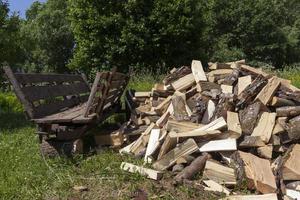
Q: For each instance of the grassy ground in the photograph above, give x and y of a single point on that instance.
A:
(24, 174)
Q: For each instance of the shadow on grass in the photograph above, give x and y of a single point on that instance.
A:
(13, 120)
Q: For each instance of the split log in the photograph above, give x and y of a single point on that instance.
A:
(183, 126)
(207, 86)
(290, 168)
(150, 173)
(279, 125)
(267, 93)
(163, 106)
(233, 122)
(250, 141)
(279, 102)
(169, 159)
(248, 117)
(243, 82)
(265, 126)
(183, 83)
(227, 89)
(198, 71)
(219, 173)
(265, 151)
(226, 103)
(142, 141)
(257, 170)
(217, 65)
(251, 91)
(218, 145)
(232, 78)
(179, 106)
(209, 112)
(177, 73)
(200, 134)
(152, 143)
(288, 111)
(293, 128)
(195, 167)
(294, 185)
(293, 194)
(167, 145)
(252, 70)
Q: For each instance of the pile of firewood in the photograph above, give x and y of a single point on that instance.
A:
(235, 124)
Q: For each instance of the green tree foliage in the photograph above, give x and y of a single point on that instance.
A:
(48, 40)
(136, 33)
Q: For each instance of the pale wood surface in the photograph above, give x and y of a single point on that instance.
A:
(198, 71)
(243, 82)
(150, 173)
(267, 93)
(265, 126)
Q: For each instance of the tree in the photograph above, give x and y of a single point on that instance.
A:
(48, 38)
(139, 34)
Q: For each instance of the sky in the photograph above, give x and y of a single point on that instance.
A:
(21, 6)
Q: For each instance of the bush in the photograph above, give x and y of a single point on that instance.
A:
(9, 103)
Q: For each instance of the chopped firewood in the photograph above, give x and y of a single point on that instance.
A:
(150, 173)
(227, 89)
(294, 185)
(279, 125)
(293, 194)
(153, 141)
(220, 72)
(126, 149)
(288, 111)
(290, 168)
(265, 126)
(162, 107)
(195, 167)
(198, 71)
(216, 187)
(243, 82)
(168, 144)
(218, 145)
(183, 126)
(176, 74)
(267, 93)
(142, 141)
(251, 91)
(233, 122)
(209, 112)
(252, 197)
(177, 168)
(196, 133)
(252, 141)
(207, 86)
(169, 159)
(248, 117)
(219, 66)
(164, 118)
(142, 94)
(243, 61)
(252, 70)
(180, 112)
(114, 139)
(219, 173)
(214, 125)
(279, 102)
(184, 82)
(257, 171)
(265, 151)
(232, 78)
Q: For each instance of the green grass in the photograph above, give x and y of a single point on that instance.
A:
(292, 73)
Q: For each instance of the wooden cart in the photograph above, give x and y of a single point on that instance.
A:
(64, 107)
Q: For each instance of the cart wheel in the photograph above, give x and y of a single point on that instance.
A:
(53, 148)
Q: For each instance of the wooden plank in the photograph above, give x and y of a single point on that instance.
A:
(257, 171)
(198, 71)
(267, 93)
(243, 82)
(272, 196)
(218, 145)
(184, 82)
(169, 159)
(34, 93)
(150, 173)
(227, 89)
(233, 122)
(17, 88)
(30, 78)
(153, 140)
(219, 173)
(209, 112)
(265, 126)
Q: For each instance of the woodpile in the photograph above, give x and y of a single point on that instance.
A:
(233, 124)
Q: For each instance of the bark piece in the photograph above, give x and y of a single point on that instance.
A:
(265, 126)
(232, 78)
(248, 117)
(150, 173)
(279, 102)
(169, 159)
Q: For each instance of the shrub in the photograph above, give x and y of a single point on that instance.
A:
(9, 103)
